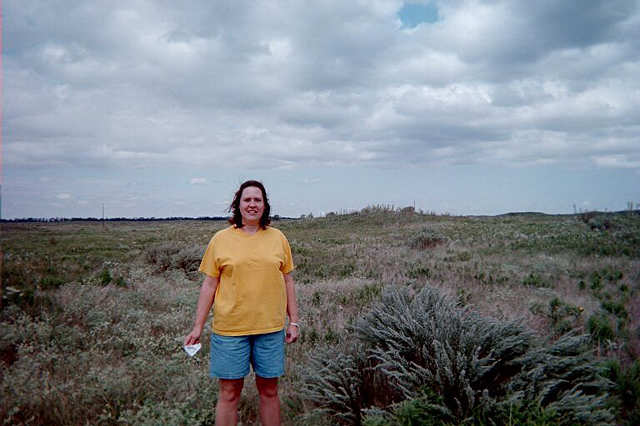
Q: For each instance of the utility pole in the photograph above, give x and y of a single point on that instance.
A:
(103, 225)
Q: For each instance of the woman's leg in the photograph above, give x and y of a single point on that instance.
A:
(228, 397)
(269, 401)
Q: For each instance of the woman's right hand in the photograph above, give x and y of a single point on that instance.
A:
(193, 337)
(205, 300)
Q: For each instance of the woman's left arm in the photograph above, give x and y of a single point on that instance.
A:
(293, 329)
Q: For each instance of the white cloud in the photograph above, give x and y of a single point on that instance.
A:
(287, 85)
(308, 181)
(616, 160)
(63, 196)
(155, 86)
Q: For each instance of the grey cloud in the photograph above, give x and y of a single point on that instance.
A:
(511, 33)
(337, 82)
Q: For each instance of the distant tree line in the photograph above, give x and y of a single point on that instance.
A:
(123, 219)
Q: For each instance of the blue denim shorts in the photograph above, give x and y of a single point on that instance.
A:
(232, 355)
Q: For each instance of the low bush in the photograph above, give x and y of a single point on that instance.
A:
(168, 256)
(476, 368)
(152, 413)
(338, 385)
(51, 282)
(161, 255)
(600, 328)
(105, 277)
(188, 259)
(564, 316)
(626, 389)
(535, 280)
(426, 239)
(616, 308)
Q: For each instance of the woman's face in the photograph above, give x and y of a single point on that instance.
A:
(251, 205)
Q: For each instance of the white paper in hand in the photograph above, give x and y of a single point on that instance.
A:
(191, 350)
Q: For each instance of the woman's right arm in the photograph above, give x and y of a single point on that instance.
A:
(207, 293)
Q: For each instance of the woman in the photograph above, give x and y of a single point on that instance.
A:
(248, 280)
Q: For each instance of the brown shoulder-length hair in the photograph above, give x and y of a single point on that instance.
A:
(234, 208)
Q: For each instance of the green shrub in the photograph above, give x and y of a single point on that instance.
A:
(28, 300)
(161, 255)
(167, 256)
(367, 293)
(528, 413)
(626, 389)
(596, 281)
(599, 326)
(463, 256)
(188, 259)
(426, 239)
(419, 271)
(564, 378)
(616, 309)
(535, 280)
(599, 222)
(336, 382)
(474, 366)
(15, 274)
(105, 277)
(563, 315)
(51, 282)
(168, 413)
(423, 411)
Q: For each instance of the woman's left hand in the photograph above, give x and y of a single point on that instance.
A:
(292, 334)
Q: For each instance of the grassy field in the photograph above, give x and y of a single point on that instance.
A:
(93, 317)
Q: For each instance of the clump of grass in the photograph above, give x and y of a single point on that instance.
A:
(169, 256)
(152, 413)
(120, 282)
(417, 271)
(51, 282)
(426, 239)
(596, 282)
(600, 223)
(424, 410)
(564, 316)
(626, 389)
(105, 277)
(536, 280)
(161, 255)
(616, 308)
(599, 326)
(188, 259)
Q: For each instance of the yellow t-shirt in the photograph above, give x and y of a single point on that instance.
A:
(251, 297)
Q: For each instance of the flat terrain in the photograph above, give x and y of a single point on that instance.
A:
(93, 314)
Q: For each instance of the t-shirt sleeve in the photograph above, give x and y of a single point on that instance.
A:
(208, 265)
(288, 258)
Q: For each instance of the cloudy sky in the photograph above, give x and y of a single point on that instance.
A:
(161, 108)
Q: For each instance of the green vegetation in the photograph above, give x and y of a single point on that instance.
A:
(473, 366)
(408, 318)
